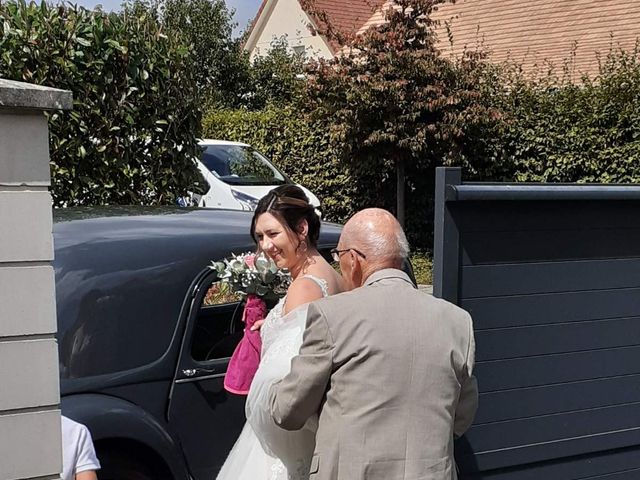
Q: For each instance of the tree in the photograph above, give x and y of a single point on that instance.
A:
(393, 99)
(276, 78)
(220, 66)
(225, 76)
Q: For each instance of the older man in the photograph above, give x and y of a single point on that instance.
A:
(388, 368)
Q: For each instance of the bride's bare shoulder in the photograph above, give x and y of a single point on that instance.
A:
(302, 290)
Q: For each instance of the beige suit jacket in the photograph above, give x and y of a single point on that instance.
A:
(389, 368)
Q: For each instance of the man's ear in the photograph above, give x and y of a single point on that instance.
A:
(356, 269)
(354, 261)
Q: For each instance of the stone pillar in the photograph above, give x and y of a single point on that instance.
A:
(30, 443)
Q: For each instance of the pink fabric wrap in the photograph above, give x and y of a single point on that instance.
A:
(246, 357)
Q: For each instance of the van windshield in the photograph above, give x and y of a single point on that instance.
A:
(240, 165)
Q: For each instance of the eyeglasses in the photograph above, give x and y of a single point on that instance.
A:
(335, 253)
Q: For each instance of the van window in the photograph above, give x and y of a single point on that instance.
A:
(218, 327)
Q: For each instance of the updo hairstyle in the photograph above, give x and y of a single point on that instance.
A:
(290, 205)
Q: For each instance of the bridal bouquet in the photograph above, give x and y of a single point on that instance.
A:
(258, 280)
(253, 274)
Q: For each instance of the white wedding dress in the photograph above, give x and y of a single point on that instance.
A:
(263, 450)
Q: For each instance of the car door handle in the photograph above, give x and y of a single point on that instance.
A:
(192, 372)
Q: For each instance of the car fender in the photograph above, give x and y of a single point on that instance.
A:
(110, 417)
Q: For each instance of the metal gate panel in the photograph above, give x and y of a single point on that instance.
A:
(551, 277)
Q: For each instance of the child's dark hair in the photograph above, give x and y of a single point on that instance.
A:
(290, 205)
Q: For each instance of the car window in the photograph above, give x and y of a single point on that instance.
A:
(218, 326)
(240, 165)
(113, 317)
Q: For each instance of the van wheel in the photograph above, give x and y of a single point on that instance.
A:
(115, 466)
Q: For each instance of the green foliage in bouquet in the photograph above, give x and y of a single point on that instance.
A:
(251, 274)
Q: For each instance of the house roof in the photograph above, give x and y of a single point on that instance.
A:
(377, 17)
(347, 16)
(542, 35)
(250, 33)
(257, 17)
(537, 34)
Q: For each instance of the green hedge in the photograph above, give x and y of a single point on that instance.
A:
(300, 150)
(422, 267)
(581, 131)
(135, 120)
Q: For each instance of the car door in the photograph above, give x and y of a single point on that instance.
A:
(206, 418)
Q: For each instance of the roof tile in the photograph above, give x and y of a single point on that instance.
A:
(348, 15)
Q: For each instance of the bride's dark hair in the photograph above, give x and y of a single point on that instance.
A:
(290, 205)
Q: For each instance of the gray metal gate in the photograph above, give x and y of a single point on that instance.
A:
(551, 276)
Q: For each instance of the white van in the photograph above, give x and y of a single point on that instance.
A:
(238, 176)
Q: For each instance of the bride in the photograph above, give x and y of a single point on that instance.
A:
(286, 228)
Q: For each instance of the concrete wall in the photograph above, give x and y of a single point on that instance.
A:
(29, 403)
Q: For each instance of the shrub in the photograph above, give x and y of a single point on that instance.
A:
(422, 267)
(563, 131)
(400, 108)
(550, 129)
(220, 67)
(135, 121)
(275, 78)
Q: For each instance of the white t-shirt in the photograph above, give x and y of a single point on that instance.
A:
(78, 454)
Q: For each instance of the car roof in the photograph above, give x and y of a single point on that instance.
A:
(84, 224)
(107, 221)
(208, 141)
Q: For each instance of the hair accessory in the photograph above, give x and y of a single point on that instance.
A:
(291, 201)
(273, 200)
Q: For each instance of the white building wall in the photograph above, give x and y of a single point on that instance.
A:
(287, 18)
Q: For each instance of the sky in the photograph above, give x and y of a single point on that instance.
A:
(245, 9)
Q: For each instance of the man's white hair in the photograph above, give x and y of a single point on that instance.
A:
(378, 234)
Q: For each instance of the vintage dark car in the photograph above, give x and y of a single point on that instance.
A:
(144, 339)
